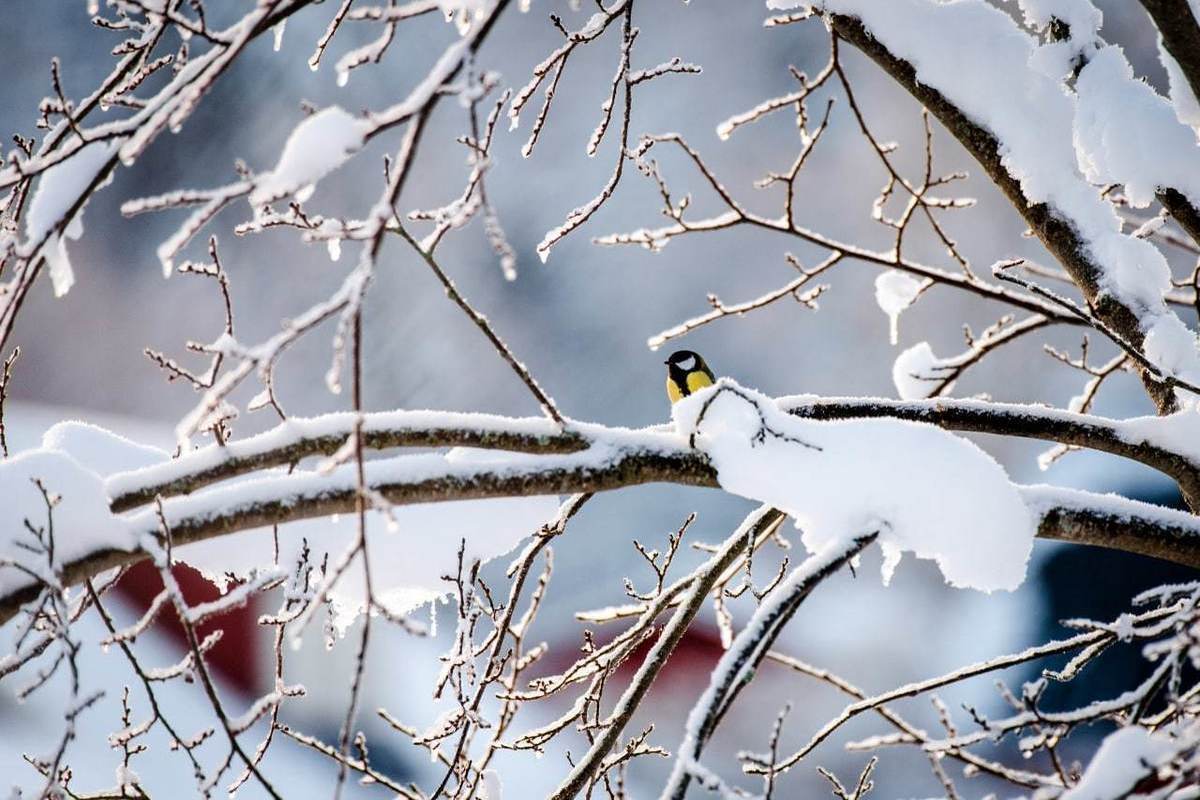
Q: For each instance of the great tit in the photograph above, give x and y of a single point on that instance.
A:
(686, 373)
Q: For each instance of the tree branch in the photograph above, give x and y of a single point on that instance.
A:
(299, 438)
(617, 460)
(1184, 212)
(737, 666)
(702, 582)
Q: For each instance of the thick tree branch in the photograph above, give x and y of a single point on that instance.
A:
(1068, 515)
(1055, 231)
(618, 462)
(299, 438)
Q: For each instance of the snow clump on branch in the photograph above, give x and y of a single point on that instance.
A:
(50, 223)
(317, 147)
(924, 490)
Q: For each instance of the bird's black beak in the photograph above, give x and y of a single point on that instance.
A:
(668, 361)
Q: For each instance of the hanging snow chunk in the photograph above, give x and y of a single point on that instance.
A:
(318, 146)
(59, 189)
(924, 490)
(917, 372)
(894, 292)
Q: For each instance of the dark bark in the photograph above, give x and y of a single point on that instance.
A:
(1180, 33)
(1184, 212)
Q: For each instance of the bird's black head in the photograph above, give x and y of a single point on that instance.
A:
(685, 360)
(682, 362)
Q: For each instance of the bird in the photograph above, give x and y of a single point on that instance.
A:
(687, 373)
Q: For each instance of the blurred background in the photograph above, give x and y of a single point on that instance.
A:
(580, 322)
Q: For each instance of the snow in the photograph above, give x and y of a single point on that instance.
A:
(99, 450)
(61, 185)
(1178, 432)
(917, 372)
(337, 424)
(318, 146)
(491, 788)
(1041, 498)
(1124, 758)
(1187, 107)
(925, 490)
(1172, 346)
(894, 292)
(1081, 16)
(1126, 133)
(70, 460)
(82, 523)
(593, 26)
(958, 48)
(1059, 58)
(127, 780)
(58, 190)
(463, 13)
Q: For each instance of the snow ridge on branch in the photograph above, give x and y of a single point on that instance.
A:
(610, 458)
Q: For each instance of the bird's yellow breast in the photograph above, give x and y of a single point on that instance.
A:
(696, 380)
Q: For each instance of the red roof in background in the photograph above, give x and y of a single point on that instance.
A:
(238, 659)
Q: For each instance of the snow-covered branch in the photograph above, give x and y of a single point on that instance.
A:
(736, 668)
(300, 438)
(590, 458)
(1156, 442)
(73, 162)
(1036, 172)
